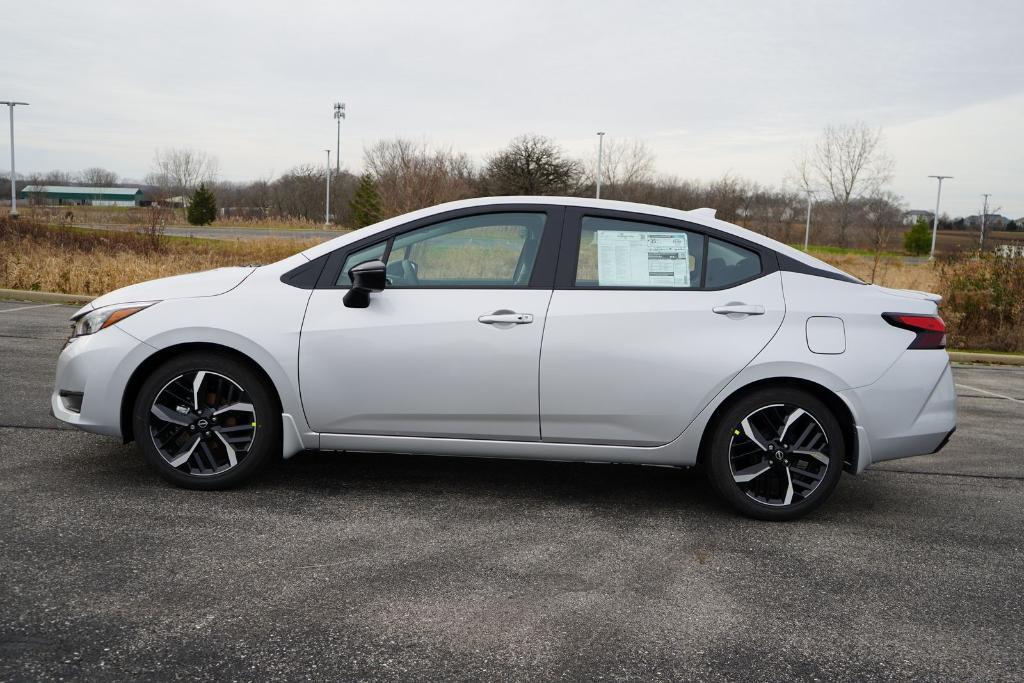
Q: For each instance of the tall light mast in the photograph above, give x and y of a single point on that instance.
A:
(935, 222)
(14, 194)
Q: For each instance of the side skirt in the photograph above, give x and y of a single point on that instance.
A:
(668, 454)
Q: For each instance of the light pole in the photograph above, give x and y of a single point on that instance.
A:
(935, 222)
(14, 194)
(984, 212)
(339, 114)
(807, 230)
(327, 208)
(600, 153)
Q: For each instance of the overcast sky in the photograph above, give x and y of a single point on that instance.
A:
(712, 87)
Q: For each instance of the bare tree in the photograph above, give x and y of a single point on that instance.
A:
(626, 166)
(179, 170)
(882, 215)
(55, 177)
(849, 162)
(97, 177)
(532, 164)
(299, 193)
(409, 175)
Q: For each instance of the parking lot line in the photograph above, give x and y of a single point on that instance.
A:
(25, 308)
(990, 393)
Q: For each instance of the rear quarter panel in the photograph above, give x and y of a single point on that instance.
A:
(872, 345)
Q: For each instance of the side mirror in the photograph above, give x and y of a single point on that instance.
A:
(369, 276)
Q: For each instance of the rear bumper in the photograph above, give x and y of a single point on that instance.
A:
(910, 410)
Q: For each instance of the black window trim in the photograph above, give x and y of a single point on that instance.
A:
(543, 273)
(573, 229)
(557, 256)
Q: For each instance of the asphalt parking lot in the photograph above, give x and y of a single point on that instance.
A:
(401, 567)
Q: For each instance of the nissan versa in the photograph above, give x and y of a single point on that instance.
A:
(523, 327)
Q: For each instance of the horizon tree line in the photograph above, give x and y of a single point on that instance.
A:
(847, 167)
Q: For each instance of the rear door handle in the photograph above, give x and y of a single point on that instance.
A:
(506, 318)
(739, 309)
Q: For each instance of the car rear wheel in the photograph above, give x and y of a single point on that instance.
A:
(206, 421)
(776, 454)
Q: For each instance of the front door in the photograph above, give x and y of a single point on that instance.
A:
(450, 348)
(646, 326)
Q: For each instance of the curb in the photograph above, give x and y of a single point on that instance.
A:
(44, 297)
(993, 358)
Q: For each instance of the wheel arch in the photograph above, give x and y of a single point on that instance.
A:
(834, 402)
(153, 361)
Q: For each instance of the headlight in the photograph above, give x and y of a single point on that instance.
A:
(97, 319)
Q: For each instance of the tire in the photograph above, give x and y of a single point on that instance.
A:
(232, 435)
(798, 470)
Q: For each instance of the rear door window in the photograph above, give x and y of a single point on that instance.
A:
(617, 253)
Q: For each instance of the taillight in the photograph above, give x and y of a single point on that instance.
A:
(930, 329)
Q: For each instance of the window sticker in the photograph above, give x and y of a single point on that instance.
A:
(642, 259)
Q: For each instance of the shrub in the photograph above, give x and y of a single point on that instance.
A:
(918, 240)
(202, 207)
(365, 205)
(983, 302)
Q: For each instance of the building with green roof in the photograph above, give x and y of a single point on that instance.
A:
(89, 196)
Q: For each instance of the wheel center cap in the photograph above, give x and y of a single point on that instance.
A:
(779, 455)
(203, 423)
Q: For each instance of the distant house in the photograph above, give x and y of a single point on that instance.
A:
(89, 196)
(914, 215)
(993, 221)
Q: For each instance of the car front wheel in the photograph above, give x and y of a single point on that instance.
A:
(776, 454)
(206, 421)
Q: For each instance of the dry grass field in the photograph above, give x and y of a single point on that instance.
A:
(951, 242)
(141, 216)
(73, 261)
(889, 271)
(983, 297)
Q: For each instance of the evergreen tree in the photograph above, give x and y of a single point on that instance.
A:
(918, 240)
(365, 204)
(202, 206)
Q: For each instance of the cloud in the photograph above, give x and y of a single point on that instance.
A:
(713, 88)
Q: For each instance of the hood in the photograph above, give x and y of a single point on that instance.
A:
(206, 283)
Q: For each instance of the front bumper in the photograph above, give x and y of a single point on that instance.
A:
(98, 367)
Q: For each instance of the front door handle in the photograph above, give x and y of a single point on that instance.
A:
(736, 308)
(506, 318)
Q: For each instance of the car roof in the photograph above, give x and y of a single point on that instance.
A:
(701, 216)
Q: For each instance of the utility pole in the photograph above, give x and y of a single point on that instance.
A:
(339, 114)
(935, 223)
(984, 213)
(14, 194)
(600, 153)
(327, 209)
(807, 230)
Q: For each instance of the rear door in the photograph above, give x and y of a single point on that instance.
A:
(650, 318)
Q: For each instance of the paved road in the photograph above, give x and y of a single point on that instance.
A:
(226, 233)
(399, 567)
